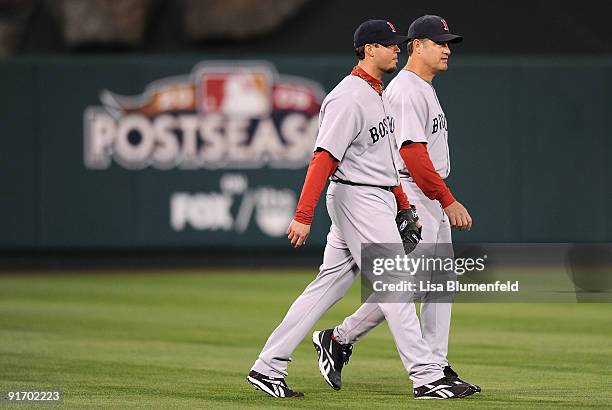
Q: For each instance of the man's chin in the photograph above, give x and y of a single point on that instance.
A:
(391, 70)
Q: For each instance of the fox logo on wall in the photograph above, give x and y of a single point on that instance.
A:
(223, 115)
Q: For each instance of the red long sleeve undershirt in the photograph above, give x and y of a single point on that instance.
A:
(400, 197)
(321, 167)
(421, 169)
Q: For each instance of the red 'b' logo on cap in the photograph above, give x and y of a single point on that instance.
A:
(393, 27)
(444, 24)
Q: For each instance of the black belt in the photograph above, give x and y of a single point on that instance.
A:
(404, 174)
(341, 181)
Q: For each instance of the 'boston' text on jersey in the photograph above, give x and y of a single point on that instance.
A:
(385, 127)
(439, 123)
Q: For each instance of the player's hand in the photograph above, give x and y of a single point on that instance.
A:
(297, 233)
(459, 216)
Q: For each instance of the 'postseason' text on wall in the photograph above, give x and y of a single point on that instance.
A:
(224, 115)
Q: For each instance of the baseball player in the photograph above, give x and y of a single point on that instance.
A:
(421, 133)
(356, 147)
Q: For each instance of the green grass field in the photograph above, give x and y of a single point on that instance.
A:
(187, 340)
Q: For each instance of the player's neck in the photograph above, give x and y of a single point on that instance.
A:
(420, 69)
(370, 68)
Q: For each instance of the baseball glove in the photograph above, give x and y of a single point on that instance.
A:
(406, 225)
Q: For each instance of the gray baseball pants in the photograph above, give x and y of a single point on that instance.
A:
(359, 214)
(435, 317)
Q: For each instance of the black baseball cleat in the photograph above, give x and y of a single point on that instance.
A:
(451, 374)
(444, 388)
(332, 356)
(274, 386)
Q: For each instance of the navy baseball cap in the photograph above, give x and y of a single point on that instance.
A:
(434, 28)
(377, 32)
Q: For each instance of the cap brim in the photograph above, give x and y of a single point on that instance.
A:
(447, 38)
(397, 39)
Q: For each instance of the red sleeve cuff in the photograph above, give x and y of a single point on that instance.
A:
(321, 167)
(400, 198)
(446, 198)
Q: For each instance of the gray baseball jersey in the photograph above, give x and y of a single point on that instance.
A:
(419, 118)
(357, 129)
(359, 134)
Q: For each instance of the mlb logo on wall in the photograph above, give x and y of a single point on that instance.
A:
(222, 115)
(235, 92)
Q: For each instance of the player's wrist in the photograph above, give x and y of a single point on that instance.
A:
(303, 218)
(403, 206)
(447, 199)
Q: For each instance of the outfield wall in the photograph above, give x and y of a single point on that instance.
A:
(149, 152)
